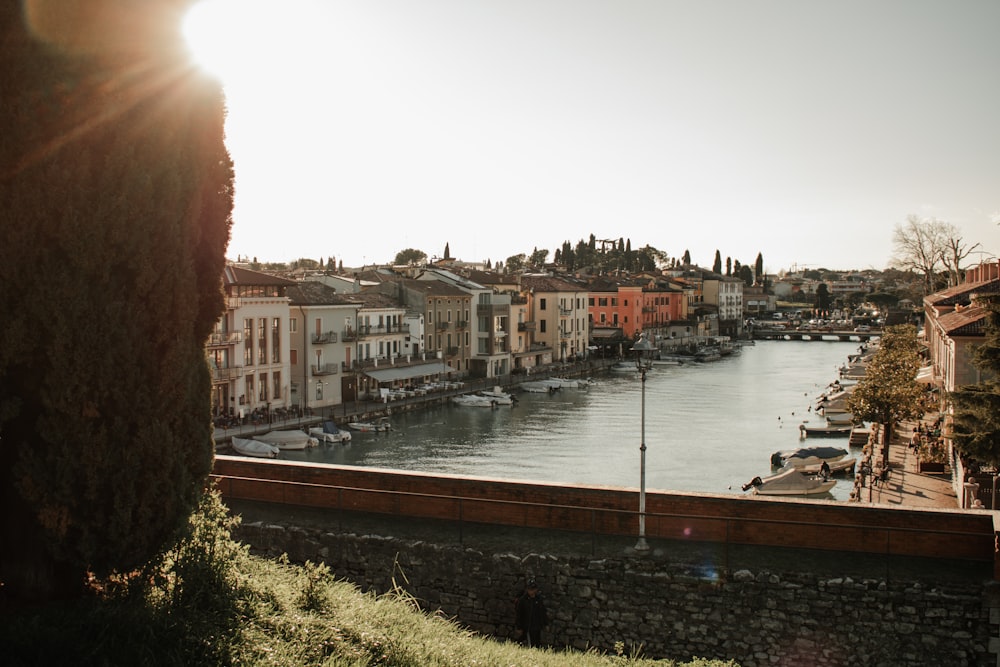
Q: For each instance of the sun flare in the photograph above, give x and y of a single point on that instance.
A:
(242, 41)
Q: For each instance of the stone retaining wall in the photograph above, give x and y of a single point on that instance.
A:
(756, 617)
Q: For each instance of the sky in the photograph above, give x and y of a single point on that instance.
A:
(804, 131)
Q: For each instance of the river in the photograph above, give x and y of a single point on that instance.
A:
(710, 427)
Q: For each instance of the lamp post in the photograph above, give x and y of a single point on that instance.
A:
(641, 347)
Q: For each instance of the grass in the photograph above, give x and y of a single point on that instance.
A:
(209, 602)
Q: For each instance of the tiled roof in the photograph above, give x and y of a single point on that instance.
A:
(313, 293)
(549, 284)
(237, 275)
(962, 294)
(964, 322)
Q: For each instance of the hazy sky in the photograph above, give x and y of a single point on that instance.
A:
(804, 130)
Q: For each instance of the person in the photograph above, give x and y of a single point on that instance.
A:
(530, 616)
(824, 471)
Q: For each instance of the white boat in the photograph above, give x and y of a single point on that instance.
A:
(534, 387)
(472, 401)
(570, 383)
(667, 361)
(329, 433)
(623, 367)
(380, 425)
(832, 430)
(249, 447)
(811, 460)
(839, 418)
(289, 439)
(789, 482)
(498, 396)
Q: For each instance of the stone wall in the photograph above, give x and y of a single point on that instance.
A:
(757, 616)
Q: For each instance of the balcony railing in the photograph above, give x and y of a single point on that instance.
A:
(564, 311)
(325, 369)
(224, 338)
(225, 374)
(325, 337)
(376, 330)
(451, 351)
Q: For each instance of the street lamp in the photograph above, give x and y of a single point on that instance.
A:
(641, 347)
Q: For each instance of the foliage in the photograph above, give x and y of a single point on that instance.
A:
(410, 257)
(889, 391)
(822, 303)
(242, 610)
(933, 248)
(115, 220)
(975, 427)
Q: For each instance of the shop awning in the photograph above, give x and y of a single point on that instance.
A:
(926, 375)
(395, 373)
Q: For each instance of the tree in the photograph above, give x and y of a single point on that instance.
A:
(447, 251)
(515, 263)
(758, 269)
(822, 303)
(746, 275)
(687, 257)
(717, 264)
(954, 252)
(975, 427)
(729, 266)
(919, 245)
(116, 220)
(538, 257)
(410, 257)
(889, 391)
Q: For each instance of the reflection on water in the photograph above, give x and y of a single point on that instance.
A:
(709, 427)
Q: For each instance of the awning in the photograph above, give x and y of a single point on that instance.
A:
(395, 373)
(926, 375)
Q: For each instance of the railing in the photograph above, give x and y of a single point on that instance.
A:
(526, 326)
(326, 337)
(223, 374)
(564, 311)
(324, 369)
(225, 338)
(353, 334)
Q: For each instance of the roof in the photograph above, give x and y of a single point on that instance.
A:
(549, 284)
(237, 275)
(407, 372)
(962, 294)
(969, 321)
(313, 293)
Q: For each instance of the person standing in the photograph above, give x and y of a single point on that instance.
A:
(530, 615)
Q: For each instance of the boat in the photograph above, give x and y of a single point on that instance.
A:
(789, 482)
(839, 418)
(365, 427)
(811, 459)
(623, 367)
(250, 447)
(330, 433)
(567, 383)
(537, 387)
(289, 439)
(498, 396)
(825, 431)
(472, 400)
(667, 361)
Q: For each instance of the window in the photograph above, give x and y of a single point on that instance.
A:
(293, 357)
(262, 340)
(262, 388)
(248, 342)
(249, 395)
(276, 340)
(541, 326)
(603, 302)
(293, 325)
(541, 304)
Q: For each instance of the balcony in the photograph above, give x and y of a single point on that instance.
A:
(462, 324)
(326, 337)
(226, 374)
(325, 369)
(565, 334)
(376, 330)
(224, 338)
(565, 312)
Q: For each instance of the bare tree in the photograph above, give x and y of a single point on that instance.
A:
(954, 252)
(919, 245)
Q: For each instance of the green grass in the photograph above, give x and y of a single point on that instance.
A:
(209, 602)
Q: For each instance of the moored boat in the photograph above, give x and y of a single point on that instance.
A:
(330, 433)
(827, 431)
(290, 440)
(789, 482)
(365, 427)
(811, 459)
(498, 396)
(250, 447)
(472, 401)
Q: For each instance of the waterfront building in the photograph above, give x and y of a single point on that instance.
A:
(953, 326)
(559, 309)
(726, 294)
(321, 344)
(248, 351)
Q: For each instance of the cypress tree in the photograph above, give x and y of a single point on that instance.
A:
(115, 197)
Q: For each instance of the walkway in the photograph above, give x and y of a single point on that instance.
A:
(906, 485)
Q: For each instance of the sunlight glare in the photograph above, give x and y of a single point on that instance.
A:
(247, 41)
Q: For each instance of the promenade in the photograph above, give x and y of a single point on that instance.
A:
(905, 484)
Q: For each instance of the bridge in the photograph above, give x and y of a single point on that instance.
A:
(775, 333)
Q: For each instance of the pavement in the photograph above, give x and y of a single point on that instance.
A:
(905, 484)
